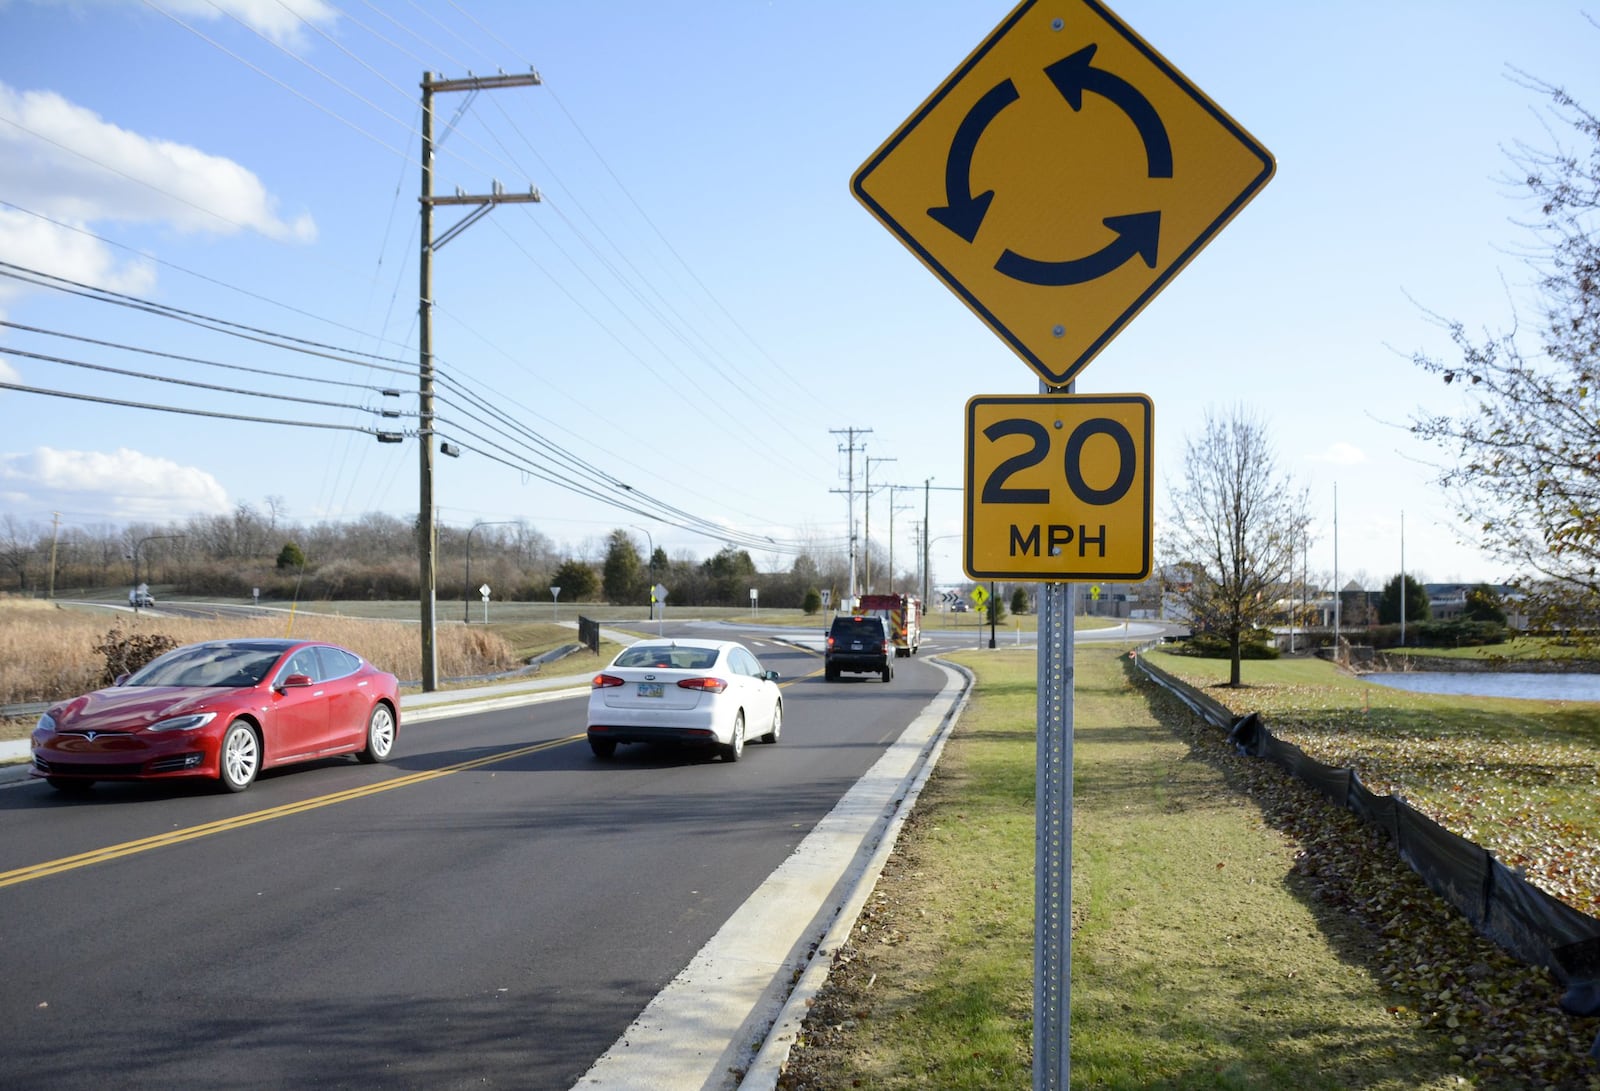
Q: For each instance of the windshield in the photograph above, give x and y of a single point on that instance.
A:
(671, 658)
(232, 665)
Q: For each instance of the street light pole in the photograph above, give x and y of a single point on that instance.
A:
(136, 547)
(466, 588)
(652, 566)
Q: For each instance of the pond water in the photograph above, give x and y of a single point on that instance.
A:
(1545, 687)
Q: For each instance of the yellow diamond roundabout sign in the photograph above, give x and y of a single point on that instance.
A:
(1059, 178)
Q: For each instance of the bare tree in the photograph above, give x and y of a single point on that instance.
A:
(18, 544)
(1235, 524)
(1525, 451)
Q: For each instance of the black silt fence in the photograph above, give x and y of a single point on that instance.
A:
(1531, 925)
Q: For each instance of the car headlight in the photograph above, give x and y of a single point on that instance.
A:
(46, 722)
(183, 723)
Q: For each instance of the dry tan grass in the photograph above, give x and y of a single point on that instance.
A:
(47, 652)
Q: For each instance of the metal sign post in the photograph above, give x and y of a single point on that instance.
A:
(1052, 889)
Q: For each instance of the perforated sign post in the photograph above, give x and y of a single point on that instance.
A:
(1056, 182)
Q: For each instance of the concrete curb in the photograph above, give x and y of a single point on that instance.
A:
(773, 1055)
(732, 1009)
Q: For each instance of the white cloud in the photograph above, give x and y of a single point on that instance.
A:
(283, 21)
(70, 169)
(69, 163)
(1341, 454)
(280, 20)
(63, 252)
(124, 484)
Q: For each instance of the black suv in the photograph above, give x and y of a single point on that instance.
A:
(860, 645)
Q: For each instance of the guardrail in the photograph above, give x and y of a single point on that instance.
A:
(1529, 924)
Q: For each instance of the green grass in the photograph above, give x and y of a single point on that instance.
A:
(1199, 958)
(1516, 776)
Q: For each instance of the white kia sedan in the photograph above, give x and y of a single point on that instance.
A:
(706, 693)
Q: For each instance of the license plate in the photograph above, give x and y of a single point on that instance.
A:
(649, 689)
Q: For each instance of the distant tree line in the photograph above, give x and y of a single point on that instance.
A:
(375, 557)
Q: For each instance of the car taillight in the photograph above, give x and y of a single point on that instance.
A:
(710, 685)
(604, 681)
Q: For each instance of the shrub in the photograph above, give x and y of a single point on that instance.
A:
(127, 652)
(1460, 633)
(812, 602)
(290, 556)
(1212, 646)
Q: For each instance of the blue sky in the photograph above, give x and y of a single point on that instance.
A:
(699, 305)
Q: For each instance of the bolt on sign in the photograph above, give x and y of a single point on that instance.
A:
(1058, 487)
(1059, 178)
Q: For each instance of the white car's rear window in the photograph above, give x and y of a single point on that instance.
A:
(676, 657)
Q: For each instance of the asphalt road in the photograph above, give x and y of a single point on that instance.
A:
(490, 909)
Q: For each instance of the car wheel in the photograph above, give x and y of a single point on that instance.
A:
(735, 749)
(240, 759)
(69, 785)
(888, 671)
(603, 748)
(831, 674)
(380, 735)
(777, 724)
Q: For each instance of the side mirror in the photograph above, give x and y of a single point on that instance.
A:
(295, 680)
(771, 676)
(121, 678)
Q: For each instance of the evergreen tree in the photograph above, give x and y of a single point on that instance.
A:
(1417, 607)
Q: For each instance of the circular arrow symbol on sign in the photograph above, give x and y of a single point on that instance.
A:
(962, 212)
(1076, 74)
(1137, 234)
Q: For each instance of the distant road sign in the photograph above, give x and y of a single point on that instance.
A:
(1059, 487)
(1059, 178)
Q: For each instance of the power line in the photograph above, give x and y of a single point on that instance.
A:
(184, 382)
(216, 325)
(177, 357)
(188, 412)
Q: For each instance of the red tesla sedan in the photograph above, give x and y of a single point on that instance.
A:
(223, 709)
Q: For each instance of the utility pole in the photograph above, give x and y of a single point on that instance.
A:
(892, 510)
(867, 492)
(927, 488)
(850, 494)
(427, 532)
(55, 535)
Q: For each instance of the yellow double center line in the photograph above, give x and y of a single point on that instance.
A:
(222, 825)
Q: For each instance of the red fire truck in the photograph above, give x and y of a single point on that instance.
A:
(903, 613)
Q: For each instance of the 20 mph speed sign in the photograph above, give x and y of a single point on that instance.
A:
(1059, 487)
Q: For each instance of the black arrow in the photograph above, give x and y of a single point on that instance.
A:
(962, 212)
(1074, 75)
(1138, 235)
